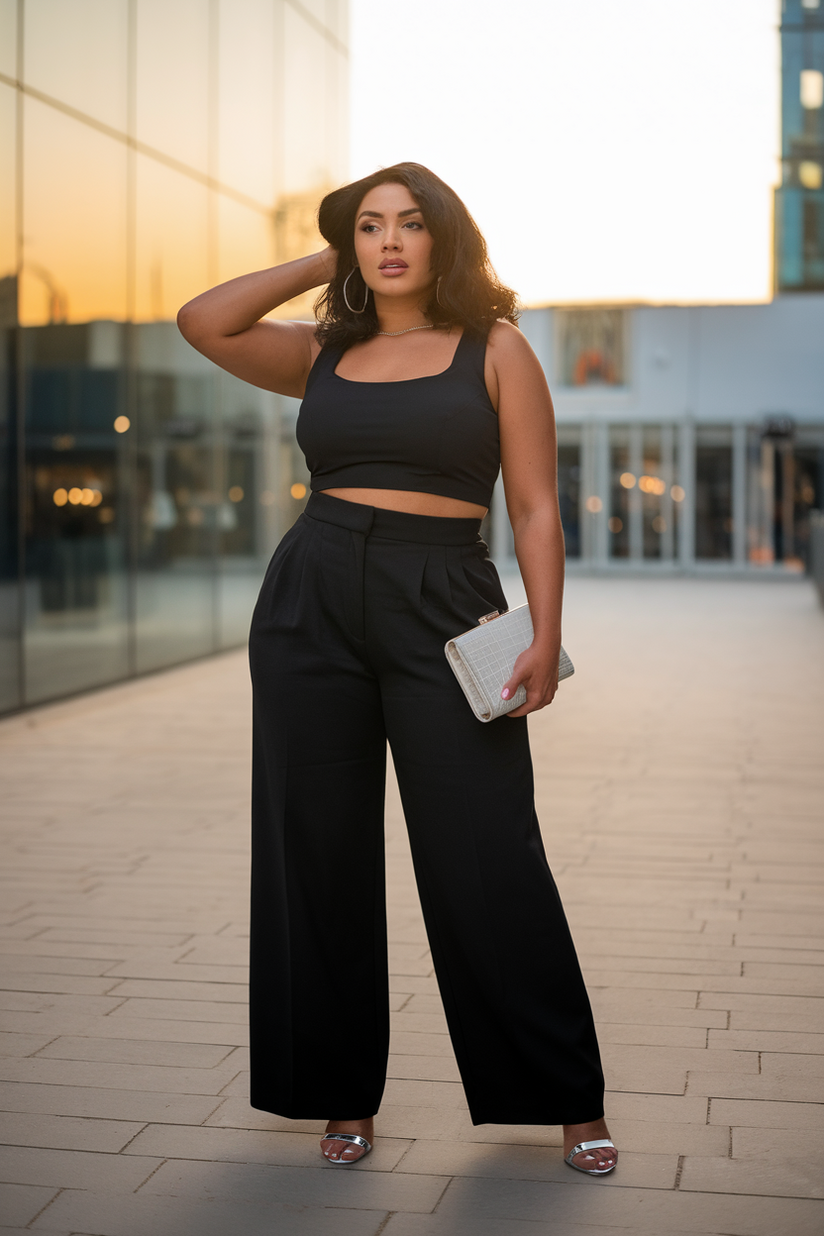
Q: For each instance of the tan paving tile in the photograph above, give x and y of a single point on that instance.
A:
(137, 1051)
(326, 1184)
(20, 1203)
(66, 1132)
(80, 1212)
(78, 1169)
(134, 1105)
(583, 1200)
(278, 1148)
(771, 1176)
(767, 1114)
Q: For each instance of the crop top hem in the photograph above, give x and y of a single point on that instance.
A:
(320, 484)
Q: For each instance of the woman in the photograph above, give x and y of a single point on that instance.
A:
(416, 386)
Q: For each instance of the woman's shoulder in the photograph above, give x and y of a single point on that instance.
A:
(507, 344)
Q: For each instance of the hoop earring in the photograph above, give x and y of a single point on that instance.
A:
(346, 298)
(437, 291)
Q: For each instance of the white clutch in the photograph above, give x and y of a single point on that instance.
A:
(483, 659)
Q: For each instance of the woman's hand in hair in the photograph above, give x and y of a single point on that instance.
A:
(229, 324)
(329, 257)
(537, 671)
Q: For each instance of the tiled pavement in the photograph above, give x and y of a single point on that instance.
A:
(681, 786)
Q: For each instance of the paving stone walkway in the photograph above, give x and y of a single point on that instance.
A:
(681, 791)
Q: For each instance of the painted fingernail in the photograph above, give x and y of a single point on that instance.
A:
(505, 693)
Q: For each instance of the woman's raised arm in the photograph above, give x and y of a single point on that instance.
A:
(530, 471)
(225, 324)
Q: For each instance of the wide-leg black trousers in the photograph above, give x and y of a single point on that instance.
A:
(347, 652)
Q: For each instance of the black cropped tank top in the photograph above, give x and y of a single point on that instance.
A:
(435, 435)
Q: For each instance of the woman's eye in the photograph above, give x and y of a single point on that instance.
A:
(369, 227)
(413, 223)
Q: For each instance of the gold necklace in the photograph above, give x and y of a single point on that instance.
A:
(429, 326)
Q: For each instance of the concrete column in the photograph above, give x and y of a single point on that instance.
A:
(667, 504)
(686, 479)
(636, 512)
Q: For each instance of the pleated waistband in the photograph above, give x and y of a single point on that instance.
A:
(392, 525)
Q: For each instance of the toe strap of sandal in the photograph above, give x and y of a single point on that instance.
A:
(354, 1138)
(596, 1145)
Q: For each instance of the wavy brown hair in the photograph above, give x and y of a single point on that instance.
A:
(469, 293)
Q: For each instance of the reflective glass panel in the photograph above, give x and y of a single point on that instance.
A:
(9, 563)
(8, 37)
(75, 508)
(76, 52)
(75, 501)
(172, 241)
(248, 445)
(245, 239)
(177, 504)
(248, 154)
(74, 259)
(173, 79)
(713, 493)
(622, 481)
(569, 487)
(652, 487)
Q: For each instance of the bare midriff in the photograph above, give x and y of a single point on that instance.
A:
(412, 502)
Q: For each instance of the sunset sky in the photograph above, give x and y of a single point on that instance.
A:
(609, 149)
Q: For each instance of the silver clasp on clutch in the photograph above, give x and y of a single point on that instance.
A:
(496, 613)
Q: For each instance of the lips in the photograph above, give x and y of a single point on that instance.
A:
(392, 264)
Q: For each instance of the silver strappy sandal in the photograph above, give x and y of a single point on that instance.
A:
(354, 1138)
(596, 1145)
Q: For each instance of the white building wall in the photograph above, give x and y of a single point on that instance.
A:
(724, 363)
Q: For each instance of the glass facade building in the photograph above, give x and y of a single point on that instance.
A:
(799, 205)
(150, 149)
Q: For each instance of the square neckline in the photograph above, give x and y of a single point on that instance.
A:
(425, 377)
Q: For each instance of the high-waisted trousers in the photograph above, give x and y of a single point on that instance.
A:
(346, 653)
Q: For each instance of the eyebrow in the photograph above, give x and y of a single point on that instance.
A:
(376, 214)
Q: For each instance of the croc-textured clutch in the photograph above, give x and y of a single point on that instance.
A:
(483, 659)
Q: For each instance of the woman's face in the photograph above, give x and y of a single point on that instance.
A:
(393, 245)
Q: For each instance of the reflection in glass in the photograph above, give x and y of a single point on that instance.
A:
(74, 259)
(9, 564)
(173, 60)
(75, 635)
(172, 241)
(177, 506)
(155, 486)
(77, 53)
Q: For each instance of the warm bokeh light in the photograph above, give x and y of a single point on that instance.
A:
(677, 493)
(60, 497)
(615, 524)
(594, 504)
(627, 479)
(652, 485)
(298, 490)
(236, 494)
(810, 174)
(75, 495)
(812, 88)
(608, 151)
(122, 424)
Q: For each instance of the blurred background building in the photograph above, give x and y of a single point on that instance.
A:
(150, 148)
(692, 438)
